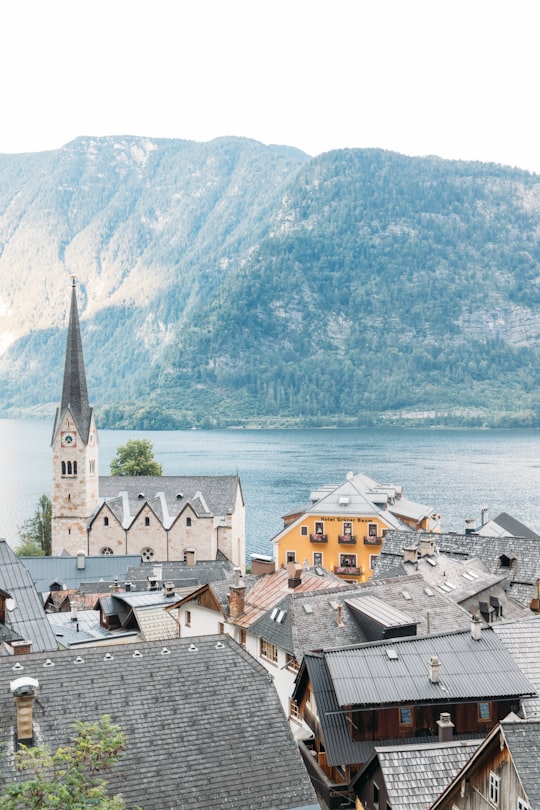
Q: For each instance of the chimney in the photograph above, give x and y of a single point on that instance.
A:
(237, 592)
(152, 583)
(21, 646)
(24, 691)
(81, 560)
(261, 564)
(410, 554)
(427, 546)
(168, 589)
(340, 615)
(484, 515)
(476, 627)
(434, 669)
(446, 727)
(294, 572)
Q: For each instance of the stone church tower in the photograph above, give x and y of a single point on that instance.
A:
(75, 489)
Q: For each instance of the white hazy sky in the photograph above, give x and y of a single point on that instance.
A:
(457, 79)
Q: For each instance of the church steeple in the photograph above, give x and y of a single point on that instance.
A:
(75, 449)
(74, 390)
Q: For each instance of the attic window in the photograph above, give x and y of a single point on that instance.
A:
(391, 654)
(431, 561)
(505, 561)
(344, 500)
(308, 608)
(470, 575)
(140, 495)
(278, 615)
(406, 595)
(428, 591)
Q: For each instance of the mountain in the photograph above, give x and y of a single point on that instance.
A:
(231, 283)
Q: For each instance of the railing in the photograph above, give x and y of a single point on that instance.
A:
(347, 570)
(372, 541)
(347, 538)
(318, 538)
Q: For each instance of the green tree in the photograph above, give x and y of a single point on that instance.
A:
(72, 777)
(35, 533)
(136, 457)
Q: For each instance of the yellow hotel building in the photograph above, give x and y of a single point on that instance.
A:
(344, 526)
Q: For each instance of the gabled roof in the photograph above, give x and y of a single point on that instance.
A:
(470, 669)
(27, 621)
(169, 495)
(523, 741)
(203, 722)
(504, 525)
(415, 775)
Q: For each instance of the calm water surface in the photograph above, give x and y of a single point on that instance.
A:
(457, 472)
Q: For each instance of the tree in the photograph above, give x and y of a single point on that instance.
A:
(72, 777)
(136, 457)
(35, 533)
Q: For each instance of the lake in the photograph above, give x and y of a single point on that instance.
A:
(457, 472)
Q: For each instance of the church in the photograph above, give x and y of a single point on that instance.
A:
(162, 518)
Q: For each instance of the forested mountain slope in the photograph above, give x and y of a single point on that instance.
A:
(231, 283)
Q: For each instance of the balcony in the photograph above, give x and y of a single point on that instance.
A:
(318, 538)
(347, 570)
(347, 539)
(372, 541)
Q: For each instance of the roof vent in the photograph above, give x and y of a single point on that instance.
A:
(108, 657)
(193, 648)
(140, 496)
(308, 608)
(168, 589)
(165, 651)
(220, 645)
(179, 495)
(48, 663)
(137, 654)
(434, 669)
(17, 667)
(79, 660)
(391, 654)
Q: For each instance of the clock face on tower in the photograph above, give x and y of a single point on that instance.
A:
(69, 439)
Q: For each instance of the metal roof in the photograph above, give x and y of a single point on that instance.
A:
(469, 669)
(384, 614)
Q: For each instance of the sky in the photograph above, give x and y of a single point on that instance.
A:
(422, 77)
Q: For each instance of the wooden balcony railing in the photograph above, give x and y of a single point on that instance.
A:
(318, 538)
(347, 570)
(349, 539)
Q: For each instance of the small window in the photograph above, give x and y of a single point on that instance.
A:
(372, 530)
(319, 527)
(187, 618)
(243, 636)
(188, 521)
(74, 468)
(147, 521)
(147, 554)
(63, 468)
(221, 628)
(291, 556)
(268, 651)
(347, 560)
(376, 795)
(347, 527)
(484, 711)
(291, 662)
(522, 804)
(69, 468)
(405, 716)
(372, 561)
(494, 788)
(92, 467)
(317, 558)
(303, 531)
(106, 551)
(105, 521)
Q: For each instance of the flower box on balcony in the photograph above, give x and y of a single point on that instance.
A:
(318, 538)
(372, 541)
(347, 570)
(347, 538)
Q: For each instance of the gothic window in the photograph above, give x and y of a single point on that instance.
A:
(188, 521)
(106, 551)
(147, 521)
(92, 467)
(63, 468)
(147, 554)
(74, 468)
(105, 521)
(69, 468)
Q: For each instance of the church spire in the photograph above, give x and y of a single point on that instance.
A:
(74, 390)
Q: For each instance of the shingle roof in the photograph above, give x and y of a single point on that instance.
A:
(523, 741)
(522, 640)
(415, 775)
(204, 725)
(523, 552)
(46, 570)
(28, 620)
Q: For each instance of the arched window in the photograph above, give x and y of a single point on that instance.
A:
(188, 521)
(74, 468)
(147, 521)
(69, 468)
(63, 468)
(106, 551)
(105, 521)
(92, 467)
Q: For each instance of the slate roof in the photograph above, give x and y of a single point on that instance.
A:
(506, 525)
(523, 741)
(415, 775)
(46, 570)
(522, 640)
(168, 495)
(27, 621)
(182, 574)
(523, 552)
(204, 725)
